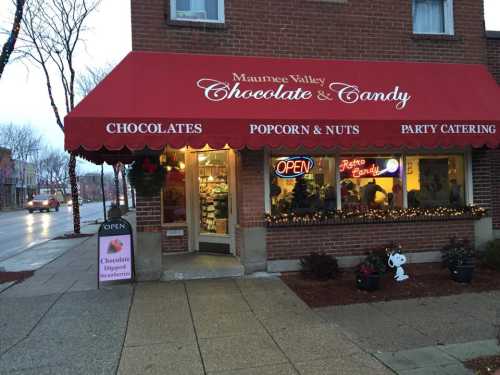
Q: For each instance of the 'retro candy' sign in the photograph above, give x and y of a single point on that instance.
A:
(294, 166)
(116, 253)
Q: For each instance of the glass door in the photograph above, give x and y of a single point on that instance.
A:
(214, 218)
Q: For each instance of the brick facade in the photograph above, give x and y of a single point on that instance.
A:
(482, 177)
(355, 29)
(148, 213)
(342, 240)
(495, 192)
(250, 185)
(351, 29)
(494, 66)
(174, 244)
(494, 53)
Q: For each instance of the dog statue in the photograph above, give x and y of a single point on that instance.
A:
(397, 260)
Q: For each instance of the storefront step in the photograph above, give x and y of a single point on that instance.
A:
(200, 266)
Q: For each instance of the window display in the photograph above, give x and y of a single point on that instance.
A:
(214, 191)
(174, 188)
(370, 182)
(302, 184)
(434, 181)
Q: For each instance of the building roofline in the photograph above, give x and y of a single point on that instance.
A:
(492, 34)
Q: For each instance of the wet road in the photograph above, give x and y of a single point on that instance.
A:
(20, 230)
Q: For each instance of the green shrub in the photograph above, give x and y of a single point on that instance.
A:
(321, 266)
(491, 255)
(378, 261)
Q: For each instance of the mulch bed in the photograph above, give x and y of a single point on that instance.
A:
(6, 277)
(484, 365)
(426, 280)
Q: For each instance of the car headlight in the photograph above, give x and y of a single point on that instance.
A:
(45, 203)
(30, 203)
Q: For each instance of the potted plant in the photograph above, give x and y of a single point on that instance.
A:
(458, 256)
(367, 277)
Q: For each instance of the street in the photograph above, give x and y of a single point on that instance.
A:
(20, 230)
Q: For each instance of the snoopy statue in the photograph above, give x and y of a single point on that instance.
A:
(396, 260)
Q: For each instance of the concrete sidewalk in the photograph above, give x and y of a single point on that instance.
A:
(234, 327)
(423, 335)
(57, 322)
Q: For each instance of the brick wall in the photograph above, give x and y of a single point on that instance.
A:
(494, 66)
(482, 177)
(177, 244)
(494, 53)
(495, 179)
(250, 185)
(355, 29)
(341, 240)
(148, 213)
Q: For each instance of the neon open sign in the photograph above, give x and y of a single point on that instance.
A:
(294, 166)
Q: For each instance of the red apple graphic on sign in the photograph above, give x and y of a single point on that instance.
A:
(115, 246)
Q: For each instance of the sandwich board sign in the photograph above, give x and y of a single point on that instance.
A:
(116, 251)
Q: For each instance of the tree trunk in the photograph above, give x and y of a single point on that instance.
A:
(9, 45)
(125, 189)
(74, 193)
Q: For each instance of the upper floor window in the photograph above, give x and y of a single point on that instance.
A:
(433, 16)
(197, 10)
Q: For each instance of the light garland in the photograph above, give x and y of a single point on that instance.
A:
(11, 41)
(358, 216)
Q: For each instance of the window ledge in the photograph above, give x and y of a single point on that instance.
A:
(197, 24)
(174, 225)
(376, 217)
(370, 221)
(436, 37)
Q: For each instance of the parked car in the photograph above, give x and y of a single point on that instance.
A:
(43, 202)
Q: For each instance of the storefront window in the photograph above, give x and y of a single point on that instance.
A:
(302, 184)
(370, 182)
(434, 181)
(174, 188)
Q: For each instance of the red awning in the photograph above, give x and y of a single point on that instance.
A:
(151, 100)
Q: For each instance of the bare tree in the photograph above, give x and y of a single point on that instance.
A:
(21, 140)
(9, 45)
(52, 31)
(54, 170)
(91, 78)
(24, 144)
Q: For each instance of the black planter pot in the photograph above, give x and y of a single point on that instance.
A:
(369, 282)
(462, 273)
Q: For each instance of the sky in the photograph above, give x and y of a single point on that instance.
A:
(23, 95)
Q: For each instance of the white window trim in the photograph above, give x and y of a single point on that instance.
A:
(449, 24)
(267, 181)
(467, 155)
(221, 13)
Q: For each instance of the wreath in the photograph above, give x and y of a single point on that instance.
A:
(147, 176)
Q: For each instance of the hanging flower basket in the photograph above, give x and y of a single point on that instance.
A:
(147, 176)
